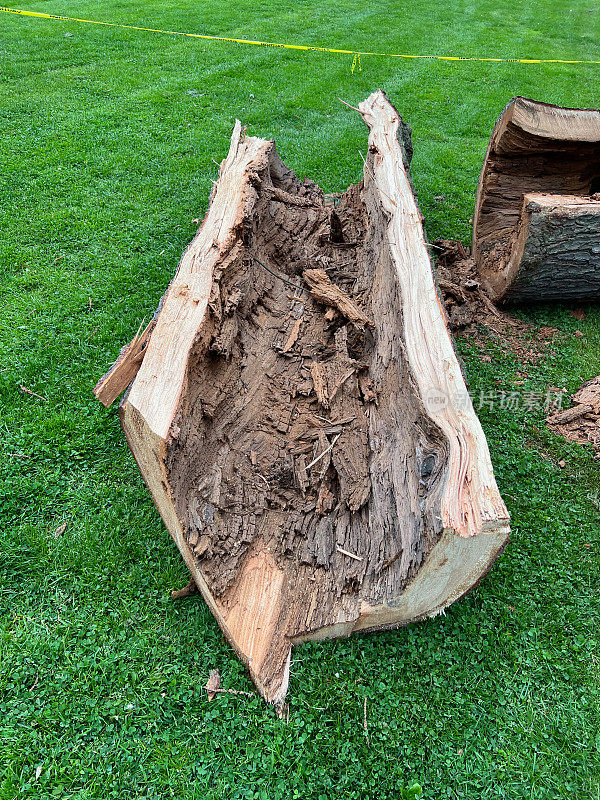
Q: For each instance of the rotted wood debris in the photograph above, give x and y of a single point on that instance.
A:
(581, 422)
(300, 416)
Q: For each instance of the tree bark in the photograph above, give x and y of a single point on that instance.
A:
(554, 253)
(300, 416)
(539, 149)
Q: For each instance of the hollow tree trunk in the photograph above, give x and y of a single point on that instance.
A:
(300, 416)
(528, 255)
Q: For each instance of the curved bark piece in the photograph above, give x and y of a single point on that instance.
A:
(300, 416)
(539, 149)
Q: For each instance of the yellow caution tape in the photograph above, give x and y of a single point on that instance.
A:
(356, 65)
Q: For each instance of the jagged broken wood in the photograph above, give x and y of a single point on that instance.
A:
(125, 368)
(300, 416)
(536, 233)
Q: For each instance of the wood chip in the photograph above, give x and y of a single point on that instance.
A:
(569, 414)
(319, 382)
(326, 292)
(449, 287)
(291, 340)
(186, 591)
(290, 199)
(60, 530)
(213, 684)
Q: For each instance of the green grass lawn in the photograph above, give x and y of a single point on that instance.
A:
(107, 141)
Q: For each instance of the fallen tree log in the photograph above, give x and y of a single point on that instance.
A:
(300, 416)
(555, 251)
(536, 233)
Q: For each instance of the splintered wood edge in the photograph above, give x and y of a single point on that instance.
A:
(471, 501)
(149, 407)
(125, 368)
(159, 383)
(540, 121)
(555, 122)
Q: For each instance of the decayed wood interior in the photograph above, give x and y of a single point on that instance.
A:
(534, 148)
(299, 413)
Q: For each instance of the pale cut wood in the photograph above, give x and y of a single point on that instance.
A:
(300, 416)
(535, 148)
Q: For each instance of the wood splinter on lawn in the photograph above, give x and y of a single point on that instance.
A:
(324, 477)
(186, 591)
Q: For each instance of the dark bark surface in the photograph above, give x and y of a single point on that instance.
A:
(561, 253)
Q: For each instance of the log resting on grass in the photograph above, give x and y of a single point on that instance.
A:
(555, 252)
(536, 234)
(300, 416)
